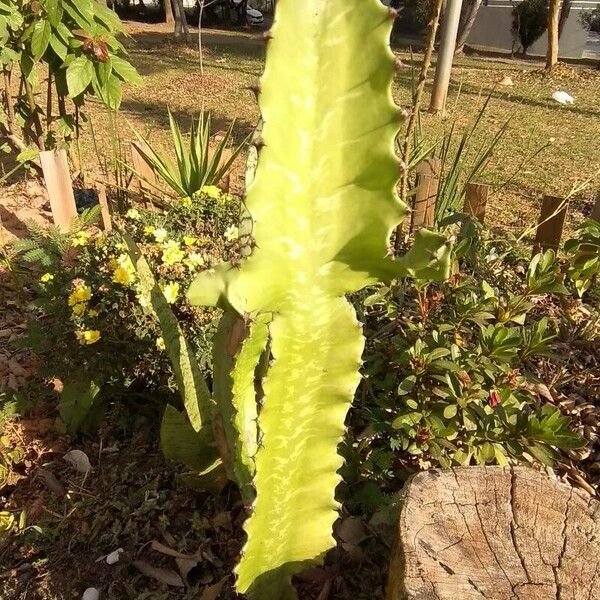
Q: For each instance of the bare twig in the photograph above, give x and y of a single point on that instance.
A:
(416, 105)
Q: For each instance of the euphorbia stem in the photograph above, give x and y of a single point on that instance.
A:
(416, 105)
(49, 102)
(10, 109)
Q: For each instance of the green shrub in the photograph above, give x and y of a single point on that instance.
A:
(450, 373)
(529, 22)
(92, 323)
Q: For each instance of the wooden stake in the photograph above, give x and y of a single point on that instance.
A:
(596, 210)
(550, 224)
(59, 186)
(425, 194)
(476, 200)
(104, 209)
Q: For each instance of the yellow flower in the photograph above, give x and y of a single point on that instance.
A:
(212, 191)
(195, 259)
(186, 201)
(160, 234)
(231, 233)
(93, 313)
(149, 230)
(143, 299)
(171, 291)
(124, 271)
(81, 238)
(160, 343)
(81, 293)
(46, 277)
(88, 337)
(189, 240)
(79, 309)
(133, 214)
(172, 253)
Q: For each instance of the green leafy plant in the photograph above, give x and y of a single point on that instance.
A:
(197, 165)
(323, 206)
(583, 256)
(91, 302)
(451, 369)
(75, 43)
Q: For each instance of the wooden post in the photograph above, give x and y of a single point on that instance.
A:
(425, 194)
(146, 176)
(59, 186)
(596, 210)
(104, 209)
(550, 224)
(476, 200)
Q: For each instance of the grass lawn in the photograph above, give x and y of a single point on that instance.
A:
(176, 77)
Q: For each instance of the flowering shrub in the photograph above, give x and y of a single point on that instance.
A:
(454, 372)
(94, 324)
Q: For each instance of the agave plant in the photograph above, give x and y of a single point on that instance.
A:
(197, 163)
(323, 205)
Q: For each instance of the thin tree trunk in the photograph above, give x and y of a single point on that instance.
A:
(553, 17)
(467, 25)
(169, 18)
(416, 106)
(181, 26)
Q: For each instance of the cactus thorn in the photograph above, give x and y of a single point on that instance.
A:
(393, 13)
(267, 35)
(258, 143)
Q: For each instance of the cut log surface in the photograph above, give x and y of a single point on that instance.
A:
(495, 533)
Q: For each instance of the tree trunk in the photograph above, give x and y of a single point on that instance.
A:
(565, 11)
(169, 18)
(499, 533)
(553, 17)
(467, 24)
(181, 25)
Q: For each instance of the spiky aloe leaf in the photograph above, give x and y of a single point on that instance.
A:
(323, 203)
(190, 383)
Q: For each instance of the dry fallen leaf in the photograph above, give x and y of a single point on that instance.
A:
(212, 591)
(52, 483)
(166, 576)
(79, 460)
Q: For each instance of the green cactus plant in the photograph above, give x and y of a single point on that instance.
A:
(323, 206)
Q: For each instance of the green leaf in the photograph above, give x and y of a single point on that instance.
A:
(126, 71)
(450, 411)
(79, 75)
(59, 47)
(190, 383)
(40, 38)
(179, 442)
(77, 402)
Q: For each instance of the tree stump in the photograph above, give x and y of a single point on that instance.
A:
(495, 533)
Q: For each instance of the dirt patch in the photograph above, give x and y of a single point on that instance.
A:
(22, 202)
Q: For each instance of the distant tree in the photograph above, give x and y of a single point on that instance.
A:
(181, 25)
(553, 19)
(169, 18)
(529, 22)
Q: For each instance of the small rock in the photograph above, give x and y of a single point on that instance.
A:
(91, 594)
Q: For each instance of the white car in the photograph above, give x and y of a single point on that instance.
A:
(255, 17)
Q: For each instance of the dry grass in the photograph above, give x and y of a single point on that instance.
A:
(233, 61)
